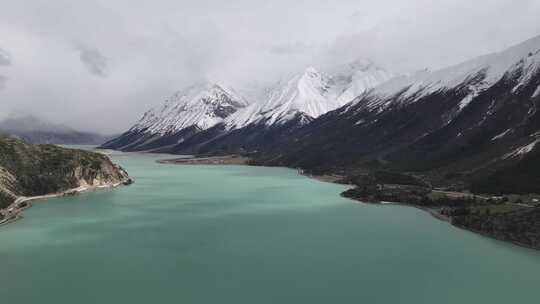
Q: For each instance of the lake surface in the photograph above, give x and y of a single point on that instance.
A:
(235, 234)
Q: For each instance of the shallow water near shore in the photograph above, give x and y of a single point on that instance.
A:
(237, 234)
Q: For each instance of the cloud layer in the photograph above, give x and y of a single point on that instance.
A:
(3, 80)
(94, 61)
(97, 65)
(5, 58)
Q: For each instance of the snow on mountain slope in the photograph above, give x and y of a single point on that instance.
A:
(202, 105)
(491, 68)
(311, 94)
(200, 113)
(537, 92)
(306, 93)
(470, 119)
(358, 77)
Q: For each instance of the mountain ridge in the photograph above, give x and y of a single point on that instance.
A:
(185, 113)
(467, 119)
(293, 103)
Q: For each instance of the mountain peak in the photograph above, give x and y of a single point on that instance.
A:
(311, 93)
(201, 105)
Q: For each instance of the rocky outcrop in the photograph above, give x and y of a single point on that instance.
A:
(7, 187)
(34, 170)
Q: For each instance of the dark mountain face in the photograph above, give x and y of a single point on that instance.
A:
(495, 133)
(247, 140)
(209, 118)
(143, 140)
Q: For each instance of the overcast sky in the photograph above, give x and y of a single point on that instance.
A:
(99, 64)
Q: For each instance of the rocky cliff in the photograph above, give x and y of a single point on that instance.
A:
(32, 170)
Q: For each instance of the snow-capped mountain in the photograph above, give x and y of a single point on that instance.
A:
(312, 94)
(286, 107)
(201, 105)
(479, 73)
(465, 125)
(200, 113)
(193, 109)
(308, 93)
(470, 124)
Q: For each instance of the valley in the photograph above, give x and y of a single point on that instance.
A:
(469, 129)
(280, 152)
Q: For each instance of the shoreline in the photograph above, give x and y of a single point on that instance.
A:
(327, 178)
(433, 212)
(14, 211)
(483, 234)
(333, 179)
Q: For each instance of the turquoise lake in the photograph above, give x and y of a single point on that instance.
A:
(237, 234)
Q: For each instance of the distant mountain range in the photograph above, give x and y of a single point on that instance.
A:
(470, 126)
(36, 131)
(475, 125)
(208, 114)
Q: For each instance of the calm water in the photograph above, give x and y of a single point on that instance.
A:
(203, 234)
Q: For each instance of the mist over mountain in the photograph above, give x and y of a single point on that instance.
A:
(200, 112)
(68, 68)
(36, 131)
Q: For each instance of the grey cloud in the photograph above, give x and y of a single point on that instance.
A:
(148, 50)
(289, 48)
(94, 61)
(5, 58)
(3, 80)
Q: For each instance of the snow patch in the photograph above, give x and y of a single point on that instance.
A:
(522, 150)
(475, 90)
(361, 121)
(465, 102)
(501, 135)
(536, 93)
